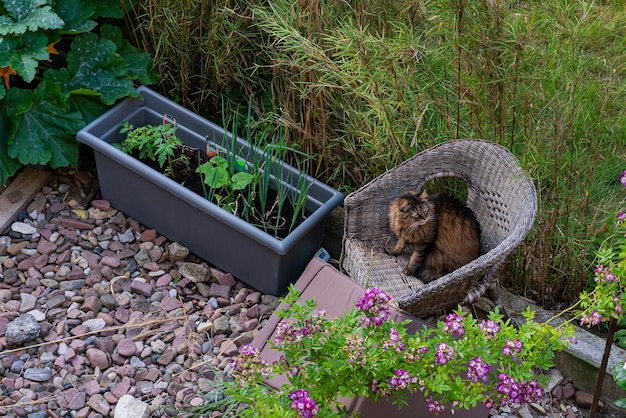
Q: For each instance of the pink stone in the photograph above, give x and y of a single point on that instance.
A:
(77, 401)
(120, 389)
(110, 398)
(113, 262)
(169, 304)
(126, 370)
(141, 287)
(148, 235)
(123, 315)
(179, 344)
(253, 298)
(164, 280)
(225, 279)
(126, 347)
(46, 247)
(79, 330)
(250, 324)
(101, 204)
(75, 224)
(33, 273)
(41, 261)
(91, 387)
(26, 264)
(97, 358)
(78, 345)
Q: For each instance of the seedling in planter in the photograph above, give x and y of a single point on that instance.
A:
(154, 142)
(223, 184)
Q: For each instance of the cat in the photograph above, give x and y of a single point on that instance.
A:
(442, 230)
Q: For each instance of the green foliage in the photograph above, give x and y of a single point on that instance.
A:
(49, 94)
(460, 363)
(607, 298)
(224, 182)
(155, 142)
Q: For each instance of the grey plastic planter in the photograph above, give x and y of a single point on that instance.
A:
(231, 244)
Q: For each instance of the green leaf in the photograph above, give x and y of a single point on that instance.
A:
(76, 14)
(139, 63)
(620, 403)
(24, 53)
(110, 8)
(42, 127)
(94, 64)
(619, 375)
(8, 165)
(28, 15)
(90, 107)
(218, 161)
(214, 176)
(241, 180)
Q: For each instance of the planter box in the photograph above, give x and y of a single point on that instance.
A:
(222, 239)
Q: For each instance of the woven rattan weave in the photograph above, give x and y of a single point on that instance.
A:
(502, 197)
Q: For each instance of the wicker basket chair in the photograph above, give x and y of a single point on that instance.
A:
(502, 197)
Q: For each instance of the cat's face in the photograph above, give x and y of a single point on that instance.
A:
(413, 206)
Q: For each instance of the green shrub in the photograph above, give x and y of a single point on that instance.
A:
(61, 69)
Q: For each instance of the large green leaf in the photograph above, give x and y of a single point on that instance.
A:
(43, 128)
(77, 15)
(28, 15)
(139, 63)
(90, 107)
(24, 53)
(94, 64)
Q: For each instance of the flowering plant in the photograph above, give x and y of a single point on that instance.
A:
(608, 298)
(459, 363)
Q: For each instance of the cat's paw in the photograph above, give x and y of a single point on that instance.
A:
(408, 271)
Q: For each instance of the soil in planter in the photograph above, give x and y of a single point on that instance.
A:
(188, 159)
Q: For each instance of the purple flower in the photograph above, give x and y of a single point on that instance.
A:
(618, 308)
(477, 370)
(248, 350)
(591, 320)
(513, 392)
(622, 178)
(394, 341)
(355, 349)
(490, 328)
(302, 403)
(401, 380)
(603, 273)
(512, 348)
(454, 325)
(444, 353)
(434, 406)
(373, 304)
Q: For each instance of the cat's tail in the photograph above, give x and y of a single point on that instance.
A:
(488, 289)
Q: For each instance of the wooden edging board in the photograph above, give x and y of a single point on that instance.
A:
(20, 193)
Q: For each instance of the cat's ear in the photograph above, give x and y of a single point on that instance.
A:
(423, 195)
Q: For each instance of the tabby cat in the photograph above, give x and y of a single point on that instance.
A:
(442, 230)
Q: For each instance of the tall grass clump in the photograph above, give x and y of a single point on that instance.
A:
(363, 85)
(202, 49)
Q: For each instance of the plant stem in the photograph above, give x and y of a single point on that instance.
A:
(603, 365)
